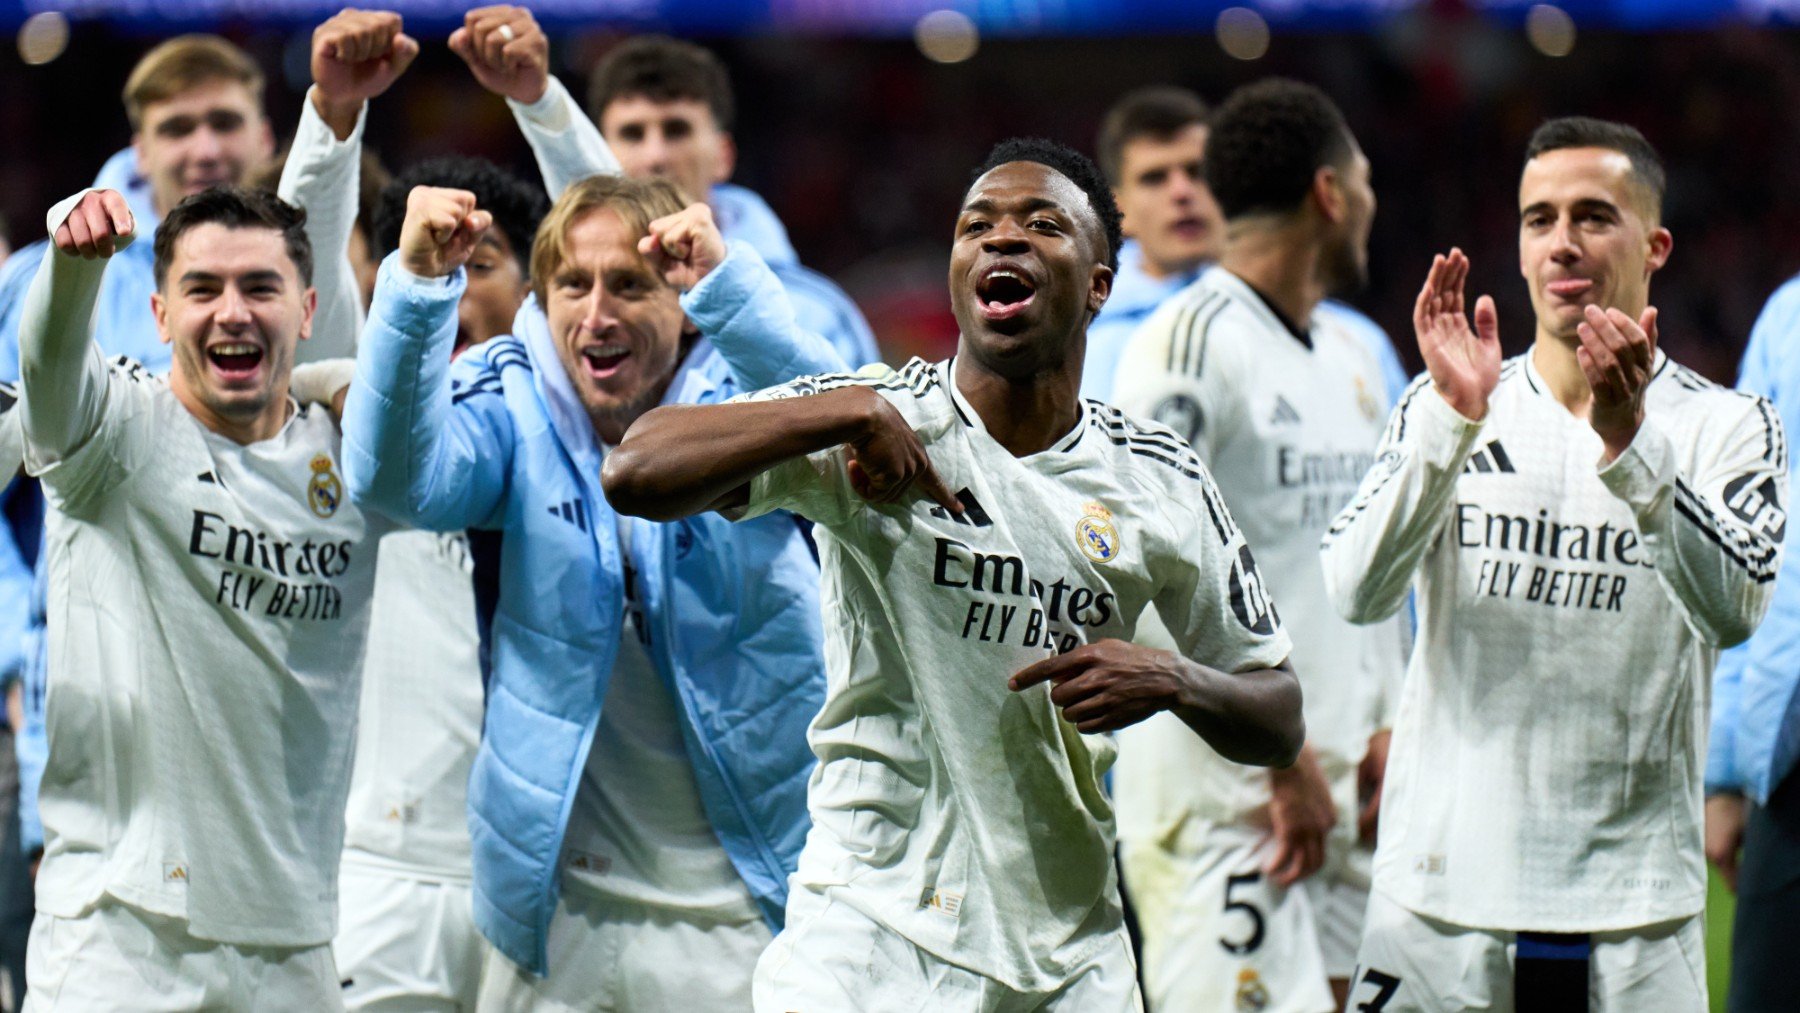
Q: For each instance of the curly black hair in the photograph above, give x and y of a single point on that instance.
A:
(1267, 141)
(517, 206)
(1074, 166)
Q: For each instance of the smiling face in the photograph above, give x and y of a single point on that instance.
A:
(1588, 235)
(1027, 269)
(497, 286)
(207, 135)
(1167, 207)
(233, 306)
(617, 325)
(678, 140)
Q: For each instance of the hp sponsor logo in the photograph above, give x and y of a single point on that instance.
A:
(1249, 597)
(1758, 504)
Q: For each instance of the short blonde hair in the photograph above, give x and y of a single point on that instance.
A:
(637, 202)
(183, 62)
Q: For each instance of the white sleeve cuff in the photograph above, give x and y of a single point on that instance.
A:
(314, 133)
(1646, 468)
(60, 211)
(551, 113)
(1445, 435)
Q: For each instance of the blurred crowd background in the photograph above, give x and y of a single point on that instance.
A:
(863, 142)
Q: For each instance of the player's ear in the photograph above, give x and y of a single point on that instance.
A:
(1328, 193)
(265, 144)
(1100, 283)
(727, 157)
(1662, 243)
(159, 307)
(309, 305)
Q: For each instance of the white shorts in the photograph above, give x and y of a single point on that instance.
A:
(1220, 937)
(1339, 893)
(611, 955)
(1411, 962)
(405, 945)
(119, 958)
(833, 957)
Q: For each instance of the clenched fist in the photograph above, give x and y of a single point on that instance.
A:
(357, 55)
(684, 247)
(506, 51)
(98, 226)
(440, 230)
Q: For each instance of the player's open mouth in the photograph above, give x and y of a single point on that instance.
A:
(1189, 228)
(1569, 288)
(1003, 293)
(235, 360)
(604, 361)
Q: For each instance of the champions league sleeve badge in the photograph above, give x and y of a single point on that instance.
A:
(324, 491)
(1096, 535)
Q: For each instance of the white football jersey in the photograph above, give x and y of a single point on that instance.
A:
(1288, 427)
(1547, 757)
(207, 608)
(966, 817)
(420, 715)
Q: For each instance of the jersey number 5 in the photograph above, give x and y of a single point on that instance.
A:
(1255, 939)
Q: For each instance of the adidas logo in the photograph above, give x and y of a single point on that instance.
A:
(972, 511)
(1489, 459)
(573, 511)
(1284, 413)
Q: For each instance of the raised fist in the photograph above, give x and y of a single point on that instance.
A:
(684, 247)
(440, 230)
(99, 225)
(506, 51)
(357, 55)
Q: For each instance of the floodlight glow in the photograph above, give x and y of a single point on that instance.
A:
(43, 37)
(1242, 33)
(947, 36)
(1550, 29)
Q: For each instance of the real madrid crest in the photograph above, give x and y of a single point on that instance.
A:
(324, 492)
(1252, 994)
(1096, 534)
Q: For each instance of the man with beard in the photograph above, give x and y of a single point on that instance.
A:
(195, 107)
(408, 935)
(637, 797)
(989, 540)
(209, 591)
(1584, 527)
(1251, 884)
(1152, 147)
(666, 108)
